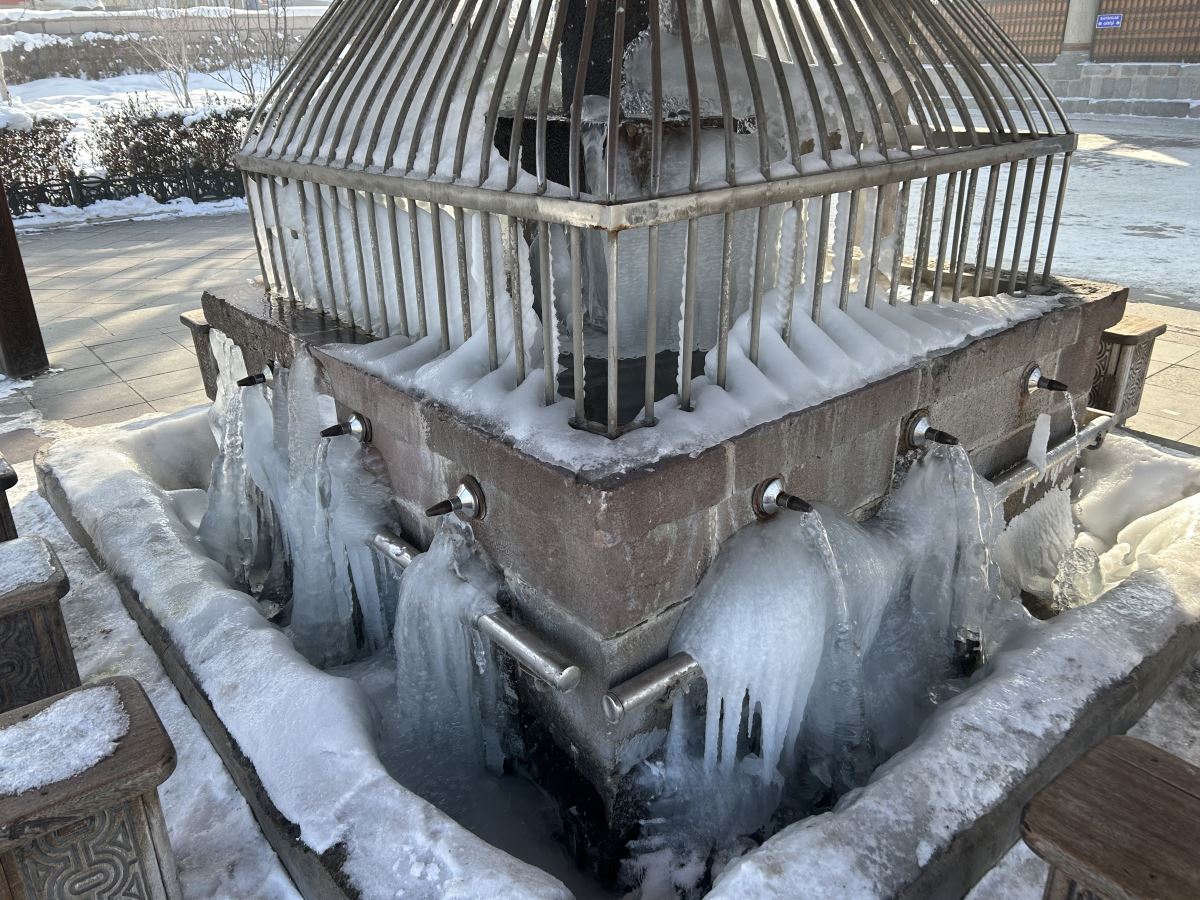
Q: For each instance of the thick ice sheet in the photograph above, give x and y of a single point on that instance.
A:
(308, 734)
(66, 738)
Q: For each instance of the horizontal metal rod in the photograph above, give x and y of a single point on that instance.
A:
(1027, 473)
(533, 654)
(395, 548)
(650, 686)
(674, 208)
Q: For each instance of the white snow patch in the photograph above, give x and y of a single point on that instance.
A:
(23, 562)
(66, 738)
(142, 208)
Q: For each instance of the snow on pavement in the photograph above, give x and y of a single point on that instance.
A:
(218, 847)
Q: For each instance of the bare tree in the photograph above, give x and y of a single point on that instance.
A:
(5, 96)
(256, 43)
(167, 40)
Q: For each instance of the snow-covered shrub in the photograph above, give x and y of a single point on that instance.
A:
(135, 138)
(42, 152)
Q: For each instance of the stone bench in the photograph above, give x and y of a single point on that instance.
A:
(79, 810)
(8, 480)
(1123, 823)
(36, 660)
(1123, 365)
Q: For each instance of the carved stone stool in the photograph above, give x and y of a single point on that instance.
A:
(1123, 822)
(36, 660)
(1123, 364)
(8, 480)
(79, 810)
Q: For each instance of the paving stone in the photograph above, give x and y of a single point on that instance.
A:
(1181, 379)
(111, 350)
(91, 400)
(53, 385)
(153, 364)
(169, 384)
(1160, 426)
(182, 401)
(1170, 352)
(111, 416)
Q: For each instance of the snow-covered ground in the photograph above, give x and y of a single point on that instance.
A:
(219, 849)
(142, 208)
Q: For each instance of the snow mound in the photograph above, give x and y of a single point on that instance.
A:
(25, 561)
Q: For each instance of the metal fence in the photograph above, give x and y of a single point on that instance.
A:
(1035, 26)
(1151, 31)
(434, 170)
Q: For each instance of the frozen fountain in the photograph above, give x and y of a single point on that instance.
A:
(616, 415)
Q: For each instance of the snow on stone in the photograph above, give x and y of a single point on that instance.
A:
(66, 738)
(821, 362)
(23, 562)
(308, 734)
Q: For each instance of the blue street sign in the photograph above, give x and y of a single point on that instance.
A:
(1110, 20)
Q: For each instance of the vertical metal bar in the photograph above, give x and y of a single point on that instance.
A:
(1058, 209)
(1037, 221)
(854, 197)
(656, 153)
(614, 332)
(360, 262)
(1026, 195)
(513, 264)
(924, 229)
(439, 275)
(489, 289)
(546, 284)
(944, 235)
(336, 212)
(414, 234)
(287, 273)
(819, 260)
(401, 288)
(1011, 183)
(985, 230)
(725, 315)
(377, 265)
(585, 53)
(651, 322)
(577, 326)
(876, 233)
(255, 221)
(464, 285)
(898, 245)
(964, 239)
(756, 296)
(689, 315)
(801, 218)
(302, 205)
(323, 240)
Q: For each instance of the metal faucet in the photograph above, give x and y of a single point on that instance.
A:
(357, 426)
(769, 498)
(919, 432)
(467, 500)
(1034, 380)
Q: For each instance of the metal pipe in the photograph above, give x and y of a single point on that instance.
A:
(1026, 473)
(357, 426)
(532, 654)
(395, 548)
(1034, 380)
(654, 684)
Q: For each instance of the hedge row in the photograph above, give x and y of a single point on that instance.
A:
(130, 141)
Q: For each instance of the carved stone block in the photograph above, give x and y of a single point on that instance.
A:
(36, 660)
(1122, 366)
(100, 833)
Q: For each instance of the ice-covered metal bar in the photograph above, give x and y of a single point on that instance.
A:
(1027, 473)
(650, 686)
(532, 653)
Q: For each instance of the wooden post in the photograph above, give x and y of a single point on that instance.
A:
(22, 351)
(99, 832)
(1121, 823)
(36, 659)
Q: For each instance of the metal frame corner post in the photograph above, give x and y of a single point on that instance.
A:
(22, 350)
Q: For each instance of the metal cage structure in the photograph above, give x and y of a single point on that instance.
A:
(623, 193)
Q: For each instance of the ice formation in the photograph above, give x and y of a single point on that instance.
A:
(824, 643)
(68, 737)
(446, 684)
(292, 514)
